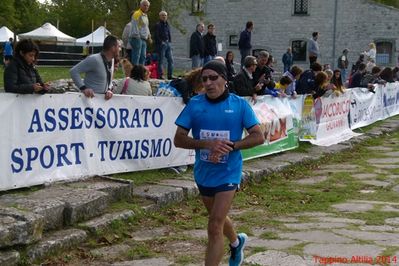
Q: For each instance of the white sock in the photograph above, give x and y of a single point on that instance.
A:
(235, 243)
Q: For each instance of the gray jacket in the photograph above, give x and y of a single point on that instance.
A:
(95, 71)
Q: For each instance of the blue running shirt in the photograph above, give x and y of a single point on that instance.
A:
(221, 120)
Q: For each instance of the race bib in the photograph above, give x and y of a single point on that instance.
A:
(211, 135)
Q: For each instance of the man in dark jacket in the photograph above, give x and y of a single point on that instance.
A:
(197, 46)
(243, 81)
(306, 83)
(162, 44)
(244, 43)
(263, 73)
(210, 48)
(287, 60)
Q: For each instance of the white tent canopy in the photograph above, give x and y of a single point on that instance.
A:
(96, 38)
(5, 34)
(47, 32)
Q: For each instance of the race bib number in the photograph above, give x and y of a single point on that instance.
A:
(212, 135)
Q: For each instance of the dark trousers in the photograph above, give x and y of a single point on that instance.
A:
(312, 59)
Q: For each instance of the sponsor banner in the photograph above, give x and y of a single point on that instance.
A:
(365, 108)
(276, 122)
(332, 124)
(390, 99)
(307, 125)
(48, 138)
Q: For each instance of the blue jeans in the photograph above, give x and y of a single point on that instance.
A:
(343, 75)
(196, 61)
(244, 53)
(208, 58)
(139, 49)
(165, 51)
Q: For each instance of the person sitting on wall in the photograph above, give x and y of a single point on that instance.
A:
(138, 83)
(20, 75)
(294, 73)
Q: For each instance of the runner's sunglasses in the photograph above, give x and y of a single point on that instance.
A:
(211, 77)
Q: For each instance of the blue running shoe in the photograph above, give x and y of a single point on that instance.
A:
(237, 253)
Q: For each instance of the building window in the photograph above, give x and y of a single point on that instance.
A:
(301, 7)
(197, 7)
(385, 52)
(233, 40)
(299, 50)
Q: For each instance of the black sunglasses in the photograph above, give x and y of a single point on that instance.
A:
(211, 77)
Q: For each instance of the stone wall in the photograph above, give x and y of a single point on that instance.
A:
(358, 23)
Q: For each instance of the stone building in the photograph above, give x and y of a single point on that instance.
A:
(280, 24)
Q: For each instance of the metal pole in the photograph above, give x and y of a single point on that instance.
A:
(334, 33)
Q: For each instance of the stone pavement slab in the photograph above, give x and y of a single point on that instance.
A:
(392, 221)
(19, 227)
(340, 220)
(311, 180)
(9, 258)
(321, 225)
(342, 251)
(392, 154)
(388, 160)
(385, 166)
(275, 258)
(379, 228)
(190, 189)
(376, 183)
(389, 208)
(315, 236)
(145, 262)
(162, 195)
(149, 234)
(353, 207)
(364, 175)
(100, 223)
(381, 238)
(197, 233)
(380, 148)
(110, 252)
(57, 241)
(272, 243)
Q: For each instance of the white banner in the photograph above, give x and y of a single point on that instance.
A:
(366, 107)
(390, 99)
(332, 120)
(48, 138)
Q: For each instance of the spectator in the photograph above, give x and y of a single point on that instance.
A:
(190, 85)
(140, 33)
(163, 46)
(210, 46)
(369, 79)
(338, 86)
(138, 83)
(243, 81)
(358, 62)
(125, 39)
(231, 72)
(98, 69)
(357, 76)
(288, 60)
(320, 84)
(244, 43)
(395, 73)
(343, 64)
(263, 72)
(127, 70)
(313, 48)
(8, 51)
(306, 82)
(371, 53)
(20, 75)
(86, 49)
(294, 74)
(279, 89)
(387, 74)
(197, 46)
